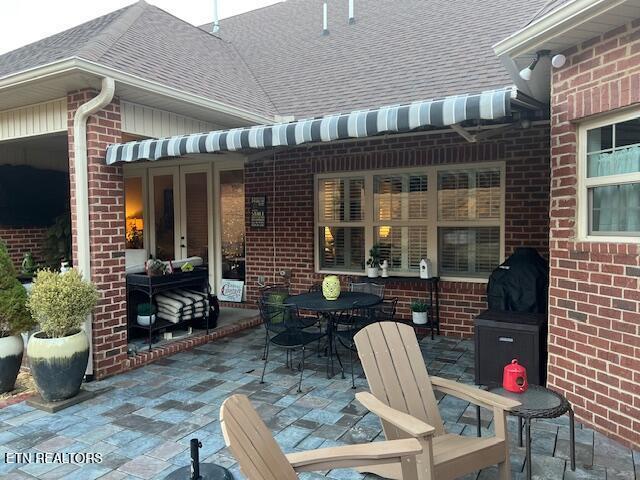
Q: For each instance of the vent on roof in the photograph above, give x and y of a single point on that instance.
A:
(216, 20)
(352, 17)
(325, 18)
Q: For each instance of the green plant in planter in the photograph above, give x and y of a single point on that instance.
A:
(57, 245)
(59, 353)
(14, 316)
(60, 303)
(419, 306)
(14, 319)
(374, 256)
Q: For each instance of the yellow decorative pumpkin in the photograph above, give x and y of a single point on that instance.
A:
(331, 287)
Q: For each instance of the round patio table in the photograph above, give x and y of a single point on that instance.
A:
(539, 402)
(330, 309)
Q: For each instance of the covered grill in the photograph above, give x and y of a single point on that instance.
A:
(515, 325)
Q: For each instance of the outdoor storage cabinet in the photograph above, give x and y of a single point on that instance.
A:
(501, 336)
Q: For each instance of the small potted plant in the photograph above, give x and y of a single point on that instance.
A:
(58, 354)
(419, 312)
(14, 319)
(374, 261)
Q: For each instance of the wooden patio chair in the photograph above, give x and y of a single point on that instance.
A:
(260, 457)
(403, 397)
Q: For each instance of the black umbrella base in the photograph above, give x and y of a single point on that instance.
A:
(208, 471)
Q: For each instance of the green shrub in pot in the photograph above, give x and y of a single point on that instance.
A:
(419, 311)
(58, 354)
(14, 320)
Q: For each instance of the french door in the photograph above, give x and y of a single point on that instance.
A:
(180, 204)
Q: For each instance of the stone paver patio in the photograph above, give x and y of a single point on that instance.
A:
(142, 425)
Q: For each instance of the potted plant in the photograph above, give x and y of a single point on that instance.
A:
(419, 312)
(14, 319)
(58, 354)
(374, 261)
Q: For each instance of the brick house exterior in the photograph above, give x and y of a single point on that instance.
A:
(594, 320)
(21, 240)
(106, 232)
(288, 240)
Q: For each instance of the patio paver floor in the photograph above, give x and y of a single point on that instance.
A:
(142, 426)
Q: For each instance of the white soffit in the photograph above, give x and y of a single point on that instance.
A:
(571, 24)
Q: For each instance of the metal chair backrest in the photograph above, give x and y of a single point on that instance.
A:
(367, 287)
(274, 293)
(279, 317)
(316, 287)
(385, 311)
(252, 443)
(397, 375)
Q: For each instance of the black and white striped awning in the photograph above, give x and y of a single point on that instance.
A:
(491, 105)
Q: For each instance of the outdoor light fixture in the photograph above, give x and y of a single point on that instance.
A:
(525, 73)
(558, 60)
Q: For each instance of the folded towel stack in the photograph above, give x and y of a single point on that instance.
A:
(182, 304)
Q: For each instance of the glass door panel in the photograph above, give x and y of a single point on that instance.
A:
(164, 213)
(195, 215)
(232, 210)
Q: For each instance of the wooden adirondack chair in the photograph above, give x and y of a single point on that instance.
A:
(404, 399)
(261, 458)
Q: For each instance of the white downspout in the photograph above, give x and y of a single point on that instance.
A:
(82, 187)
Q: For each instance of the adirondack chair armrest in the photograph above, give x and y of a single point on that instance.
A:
(405, 422)
(350, 456)
(474, 395)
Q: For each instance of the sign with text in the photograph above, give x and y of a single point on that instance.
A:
(258, 211)
(231, 290)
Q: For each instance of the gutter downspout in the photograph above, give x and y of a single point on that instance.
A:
(82, 188)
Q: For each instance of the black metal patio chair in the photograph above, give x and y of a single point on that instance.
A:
(286, 329)
(358, 318)
(367, 287)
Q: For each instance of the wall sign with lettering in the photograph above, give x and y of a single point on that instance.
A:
(258, 211)
(231, 290)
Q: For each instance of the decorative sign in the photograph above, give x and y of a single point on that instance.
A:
(231, 290)
(258, 212)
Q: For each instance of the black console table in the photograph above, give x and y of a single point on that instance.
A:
(433, 286)
(152, 285)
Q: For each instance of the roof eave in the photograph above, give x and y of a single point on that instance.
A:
(79, 64)
(552, 25)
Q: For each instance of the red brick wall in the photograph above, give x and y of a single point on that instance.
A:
(22, 240)
(107, 237)
(594, 330)
(288, 240)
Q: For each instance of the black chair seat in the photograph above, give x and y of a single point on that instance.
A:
(295, 338)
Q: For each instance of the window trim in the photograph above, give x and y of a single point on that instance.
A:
(432, 213)
(583, 212)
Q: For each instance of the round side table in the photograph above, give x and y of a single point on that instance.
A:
(538, 402)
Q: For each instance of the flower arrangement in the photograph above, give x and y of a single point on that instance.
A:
(60, 302)
(419, 306)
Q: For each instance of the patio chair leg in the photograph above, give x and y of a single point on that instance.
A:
(266, 359)
(353, 380)
(301, 371)
(266, 343)
(339, 361)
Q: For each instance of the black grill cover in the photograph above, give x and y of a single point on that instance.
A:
(520, 284)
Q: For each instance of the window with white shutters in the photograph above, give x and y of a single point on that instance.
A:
(452, 215)
(341, 238)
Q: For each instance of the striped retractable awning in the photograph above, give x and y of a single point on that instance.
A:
(491, 105)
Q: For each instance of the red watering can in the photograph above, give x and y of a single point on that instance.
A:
(514, 378)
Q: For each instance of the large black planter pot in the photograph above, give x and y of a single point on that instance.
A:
(58, 365)
(11, 349)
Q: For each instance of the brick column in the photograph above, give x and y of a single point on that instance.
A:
(107, 235)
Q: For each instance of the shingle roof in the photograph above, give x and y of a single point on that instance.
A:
(395, 52)
(276, 60)
(146, 41)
